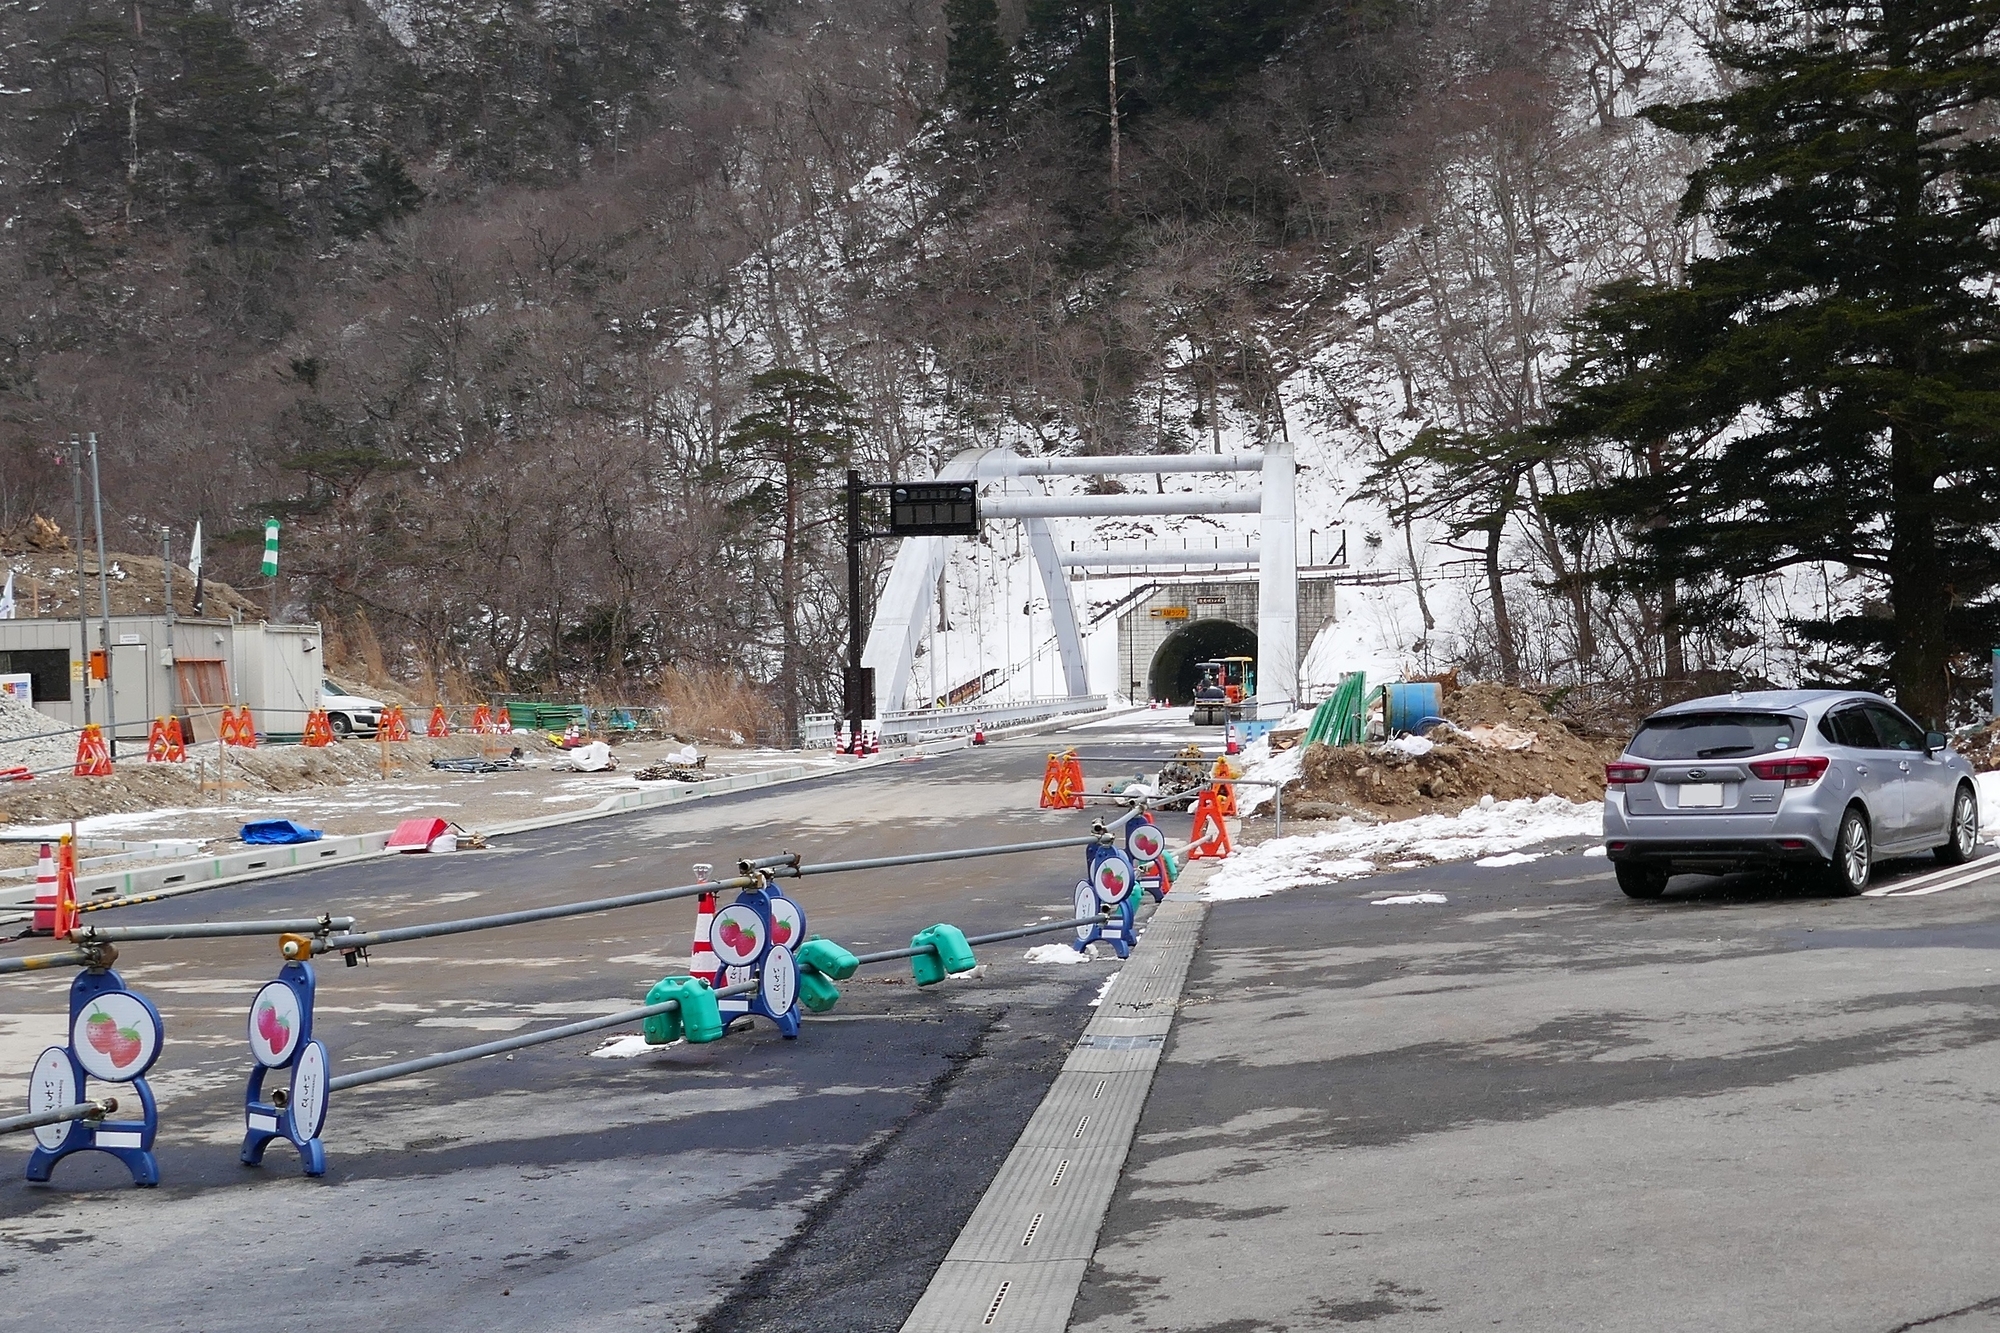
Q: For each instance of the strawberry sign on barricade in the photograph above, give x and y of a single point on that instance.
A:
(1110, 883)
(753, 939)
(281, 1039)
(115, 1036)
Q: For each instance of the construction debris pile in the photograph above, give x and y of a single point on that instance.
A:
(31, 740)
(1498, 741)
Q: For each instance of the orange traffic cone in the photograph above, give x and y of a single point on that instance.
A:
(65, 914)
(1209, 838)
(701, 959)
(44, 922)
(93, 759)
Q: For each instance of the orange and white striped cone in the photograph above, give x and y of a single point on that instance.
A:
(44, 922)
(702, 961)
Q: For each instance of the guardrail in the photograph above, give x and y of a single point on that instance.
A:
(818, 730)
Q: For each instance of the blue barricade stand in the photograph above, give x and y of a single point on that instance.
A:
(281, 1038)
(114, 1036)
(1110, 881)
(753, 939)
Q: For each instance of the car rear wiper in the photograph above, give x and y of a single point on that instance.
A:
(1716, 752)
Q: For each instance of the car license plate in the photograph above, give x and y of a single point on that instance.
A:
(1701, 796)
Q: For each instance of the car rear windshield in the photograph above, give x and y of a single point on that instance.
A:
(1715, 735)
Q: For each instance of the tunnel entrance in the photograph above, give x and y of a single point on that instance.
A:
(1175, 670)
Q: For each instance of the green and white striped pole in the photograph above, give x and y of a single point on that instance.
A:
(271, 563)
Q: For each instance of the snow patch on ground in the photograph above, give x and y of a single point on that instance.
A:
(1350, 849)
(1510, 859)
(1427, 899)
(1104, 990)
(624, 1046)
(1989, 804)
(1060, 954)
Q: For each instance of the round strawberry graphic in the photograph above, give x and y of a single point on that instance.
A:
(781, 930)
(273, 1028)
(101, 1030)
(125, 1047)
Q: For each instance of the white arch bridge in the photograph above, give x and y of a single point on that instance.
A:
(1010, 490)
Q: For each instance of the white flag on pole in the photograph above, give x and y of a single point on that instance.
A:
(7, 598)
(194, 551)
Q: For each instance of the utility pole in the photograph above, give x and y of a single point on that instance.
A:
(103, 600)
(173, 674)
(82, 600)
(858, 687)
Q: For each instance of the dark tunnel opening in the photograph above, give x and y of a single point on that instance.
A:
(1176, 670)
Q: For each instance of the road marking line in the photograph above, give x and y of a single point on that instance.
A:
(1936, 881)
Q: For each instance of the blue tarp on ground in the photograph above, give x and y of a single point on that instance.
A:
(267, 832)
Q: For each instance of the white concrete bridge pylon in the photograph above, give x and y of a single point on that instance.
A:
(905, 605)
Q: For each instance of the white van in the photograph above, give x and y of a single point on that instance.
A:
(349, 714)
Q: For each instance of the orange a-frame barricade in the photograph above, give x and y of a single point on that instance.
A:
(440, 722)
(394, 726)
(66, 914)
(482, 720)
(1209, 839)
(164, 742)
(1222, 782)
(238, 729)
(1062, 782)
(319, 729)
(93, 759)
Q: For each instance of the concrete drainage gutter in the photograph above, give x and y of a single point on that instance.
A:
(253, 863)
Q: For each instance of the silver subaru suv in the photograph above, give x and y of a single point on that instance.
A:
(1831, 779)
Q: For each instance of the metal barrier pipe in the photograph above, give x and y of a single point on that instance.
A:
(199, 930)
(959, 854)
(36, 962)
(790, 859)
(369, 939)
(382, 1073)
(80, 1111)
(1019, 933)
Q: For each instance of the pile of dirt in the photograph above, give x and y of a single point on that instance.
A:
(45, 585)
(136, 785)
(1504, 743)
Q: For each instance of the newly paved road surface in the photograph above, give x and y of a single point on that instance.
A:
(549, 1187)
(1543, 1106)
(1536, 1106)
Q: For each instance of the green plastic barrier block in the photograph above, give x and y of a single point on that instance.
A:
(699, 1019)
(826, 958)
(953, 954)
(816, 992)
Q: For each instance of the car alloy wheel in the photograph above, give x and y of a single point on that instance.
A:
(1852, 856)
(1964, 833)
(341, 726)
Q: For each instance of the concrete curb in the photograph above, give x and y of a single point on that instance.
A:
(177, 878)
(1021, 1258)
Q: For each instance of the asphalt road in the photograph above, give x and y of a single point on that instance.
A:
(1541, 1105)
(549, 1185)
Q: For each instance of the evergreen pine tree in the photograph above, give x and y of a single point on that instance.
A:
(978, 83)
(1825, 386)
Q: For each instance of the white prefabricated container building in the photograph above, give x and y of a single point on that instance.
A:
(275, 669)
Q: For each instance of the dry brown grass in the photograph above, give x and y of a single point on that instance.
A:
(720, 707)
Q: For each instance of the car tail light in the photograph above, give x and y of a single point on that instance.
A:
(1799, 770)
(1617, 775)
